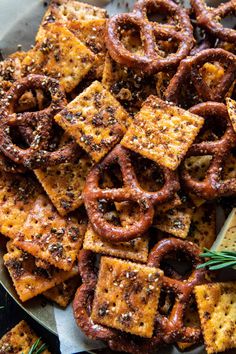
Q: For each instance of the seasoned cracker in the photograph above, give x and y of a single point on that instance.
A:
(63, 293)
(126, 296)
(175, 221)
(134, 250)
(226, 239)
(217, 310)
(10, 68)
(19, 340)
(17, 195)
(28, 217)
(92, 34)
(28, 279)
(50, 237)
(229, 169)
(61, 55)
(162, 132)
(197, 167)
(64, 183)
(130, 88)
(95, 119)
(203, 226)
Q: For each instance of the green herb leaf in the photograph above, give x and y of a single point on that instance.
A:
(218, 260)
(35, 349)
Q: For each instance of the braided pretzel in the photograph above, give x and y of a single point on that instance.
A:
(131, 191)
(189, 71)
(35, 155)
(210, 17)
(212, 186)
(82, 303)
(151, 61)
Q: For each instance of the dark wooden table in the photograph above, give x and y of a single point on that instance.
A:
(11, 314)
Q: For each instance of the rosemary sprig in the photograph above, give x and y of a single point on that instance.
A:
(218, 260)
(35, 349)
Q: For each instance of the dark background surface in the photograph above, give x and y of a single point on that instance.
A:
(12, 314)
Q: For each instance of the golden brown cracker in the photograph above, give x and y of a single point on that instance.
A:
(17, 195)
(126, 296)
(175, 221)
(135, 250)
(95, 119)
(19, 340)
(64, 183)
(50, 237)
(203, 226)
(28, 279)
(92, 34)
(217, 310)
(61, 55)
(162, 132)
(10, 68)
(63, 293)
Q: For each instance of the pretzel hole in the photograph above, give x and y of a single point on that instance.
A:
(229, 21)
(131, 38)
(197, 166)
(213, 129)
(111, 177)
(212, 73)
(166, 47)
(149, 174)
(177, 264)
(33, 100)
(166, 302)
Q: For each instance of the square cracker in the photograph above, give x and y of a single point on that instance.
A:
(217, 310)
(126, 296)
(203, 226)
(64, 183)
(28, 279)
(95, 119)
(61, 55)
(92, 34)
(17, 195)
(19, 340)
(65, 11)
(135, 250)
(175, 221)
(50, 237)
(162, 132)
(63, 293)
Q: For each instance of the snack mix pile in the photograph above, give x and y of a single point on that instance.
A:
(117, 143)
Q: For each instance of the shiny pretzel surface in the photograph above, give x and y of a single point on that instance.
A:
(150, 32)
(212, 185)
(131, 191)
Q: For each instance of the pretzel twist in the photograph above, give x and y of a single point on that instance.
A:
(212, 186)
(151, 61)
(35, 127)
(210, 17)
(189, 71)
(131, 191)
